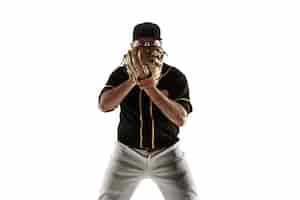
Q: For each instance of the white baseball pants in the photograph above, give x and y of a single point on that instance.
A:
(167, 168)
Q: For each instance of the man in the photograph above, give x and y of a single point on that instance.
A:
(154, 101)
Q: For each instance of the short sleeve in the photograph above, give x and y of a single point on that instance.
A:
(180, 92)
(118, 76)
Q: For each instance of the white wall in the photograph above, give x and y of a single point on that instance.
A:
(241, 59)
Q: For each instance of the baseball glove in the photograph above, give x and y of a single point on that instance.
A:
(144, 62)
(135, 65)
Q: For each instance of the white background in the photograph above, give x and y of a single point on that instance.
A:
(241, 59)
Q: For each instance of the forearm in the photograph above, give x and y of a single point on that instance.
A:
(111, 98)
(172, 110)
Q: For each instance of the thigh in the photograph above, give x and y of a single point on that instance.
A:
(122, 176)
(173, 177)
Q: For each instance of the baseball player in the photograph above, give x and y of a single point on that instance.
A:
(154, 102)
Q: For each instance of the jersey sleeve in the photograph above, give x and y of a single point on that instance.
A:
(118, 76)
(180, 91)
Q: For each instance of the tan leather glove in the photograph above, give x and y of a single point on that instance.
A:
(135, 66)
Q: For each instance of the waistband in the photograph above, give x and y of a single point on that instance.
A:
(158, 152)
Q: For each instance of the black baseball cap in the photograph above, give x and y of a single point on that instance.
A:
(146, 29)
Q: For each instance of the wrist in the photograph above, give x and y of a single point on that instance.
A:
(131, 81)
(147, 83)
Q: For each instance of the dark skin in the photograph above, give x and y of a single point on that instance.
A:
(112, 98)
